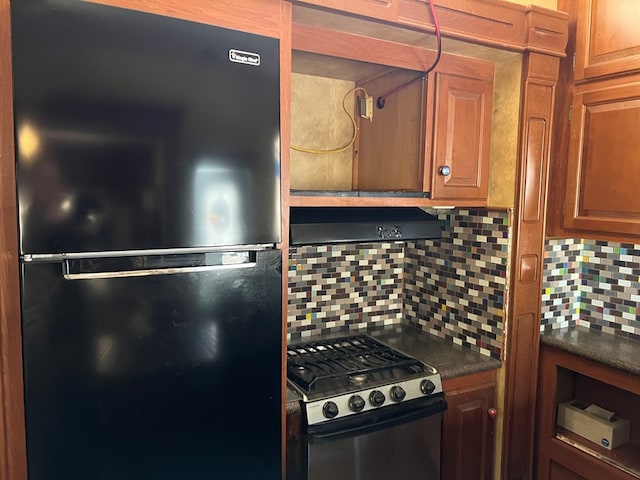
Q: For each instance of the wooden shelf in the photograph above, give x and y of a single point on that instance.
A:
(330, 201)
(625, 458)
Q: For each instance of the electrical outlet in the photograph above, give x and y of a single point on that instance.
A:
(366, 107)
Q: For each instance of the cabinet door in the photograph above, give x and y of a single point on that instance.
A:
(603, 165)
(607, 37)
(461, 93)
(294, 446)
(558, 472)
(378, 9)
(467, 441)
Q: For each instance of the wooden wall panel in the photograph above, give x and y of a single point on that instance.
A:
(285, 155)
(560, 141)
(12, 437)
(540, 75)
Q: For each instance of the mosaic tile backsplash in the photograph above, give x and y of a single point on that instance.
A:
(592, 283)
(335, 288)
(455, 286)
(561, 284)
(452, 288)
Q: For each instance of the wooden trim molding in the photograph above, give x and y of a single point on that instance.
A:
(12, 436)
(336, 201)
(285, 154)
(323, 41)
(540, 76)
(495, 23)
(255, 16)
(467, 381)
(546, 31)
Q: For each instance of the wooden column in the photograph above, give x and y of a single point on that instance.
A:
(12, 437)
(540, 76)
(285, 154)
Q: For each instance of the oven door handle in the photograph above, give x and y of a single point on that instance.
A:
(353, 426)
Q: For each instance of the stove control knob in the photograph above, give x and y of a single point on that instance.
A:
(356, 403)
(427, 387)
(330, 410)
(376, 398)
(398, 393)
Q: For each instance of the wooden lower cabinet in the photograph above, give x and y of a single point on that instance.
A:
(563, 455)
(558, 472)
(468, 427)
(294, 467)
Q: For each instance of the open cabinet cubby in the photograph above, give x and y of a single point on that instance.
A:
(562, 453)
(388, 152)
(435, 140)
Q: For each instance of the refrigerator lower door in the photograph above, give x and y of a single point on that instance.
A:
(172, 375)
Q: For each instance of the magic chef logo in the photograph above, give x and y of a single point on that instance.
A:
(248, 58)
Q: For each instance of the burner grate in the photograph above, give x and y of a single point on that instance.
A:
(312, 362)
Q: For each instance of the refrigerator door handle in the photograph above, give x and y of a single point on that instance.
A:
(151, 271)
(87, 269)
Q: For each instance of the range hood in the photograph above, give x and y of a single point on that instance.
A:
(318, 225)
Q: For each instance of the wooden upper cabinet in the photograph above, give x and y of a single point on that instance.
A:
(378, 9)
(461, 94)
(607, 38)
(603, 165)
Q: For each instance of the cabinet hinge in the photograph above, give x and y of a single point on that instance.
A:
(573, 63)
(570, 113)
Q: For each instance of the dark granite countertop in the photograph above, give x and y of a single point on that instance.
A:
(449, 359)
(612, 350)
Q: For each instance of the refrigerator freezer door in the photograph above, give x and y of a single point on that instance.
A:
(153, 377)
(136, 131)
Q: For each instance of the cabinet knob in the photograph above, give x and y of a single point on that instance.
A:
(492, 412)
(446, 170)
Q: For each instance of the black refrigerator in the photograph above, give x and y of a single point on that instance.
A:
(148, 166)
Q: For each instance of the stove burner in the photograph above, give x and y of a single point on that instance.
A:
(348, 363)
(343, 377)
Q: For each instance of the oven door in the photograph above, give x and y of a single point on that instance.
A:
(402, 442)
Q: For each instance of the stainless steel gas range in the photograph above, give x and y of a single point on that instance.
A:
(372, 412)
